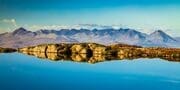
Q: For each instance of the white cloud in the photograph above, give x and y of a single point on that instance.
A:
(49, 27)
(9, 21)
(78, 26)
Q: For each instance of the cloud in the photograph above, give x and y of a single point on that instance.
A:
(76, 26)
(9, 21)
(49, 27)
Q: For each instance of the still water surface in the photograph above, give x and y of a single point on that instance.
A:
(24, 72)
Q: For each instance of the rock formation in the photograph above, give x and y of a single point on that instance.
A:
(92, 52)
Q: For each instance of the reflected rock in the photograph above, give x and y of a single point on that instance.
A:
(80, 48)
(97, 58)
(79, 57)
(53, 56)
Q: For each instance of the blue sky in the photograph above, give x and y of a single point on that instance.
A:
(144, 15)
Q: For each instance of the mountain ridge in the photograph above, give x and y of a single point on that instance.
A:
(22, 37)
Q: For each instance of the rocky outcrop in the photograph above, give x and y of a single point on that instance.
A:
(82, 48)
(92, 52)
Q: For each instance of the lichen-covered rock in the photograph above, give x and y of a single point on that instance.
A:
(40, 48)
(121, 52)
(92, 46)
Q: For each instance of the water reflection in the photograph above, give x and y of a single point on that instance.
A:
(95, 58)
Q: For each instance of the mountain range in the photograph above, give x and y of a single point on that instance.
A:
(22, 37)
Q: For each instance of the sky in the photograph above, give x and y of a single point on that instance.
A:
(143, 15)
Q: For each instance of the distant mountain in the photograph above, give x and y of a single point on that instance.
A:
(22, 37)
(20, 31)
(177, 39)
(160, 37)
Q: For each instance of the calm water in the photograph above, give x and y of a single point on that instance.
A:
(23, 72)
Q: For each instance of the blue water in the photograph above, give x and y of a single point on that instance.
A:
(23, 72)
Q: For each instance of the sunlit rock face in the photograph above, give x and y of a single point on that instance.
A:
(52, 48)
(40, 48)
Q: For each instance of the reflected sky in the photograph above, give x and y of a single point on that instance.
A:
(19, 71)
